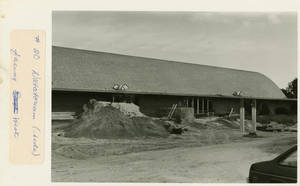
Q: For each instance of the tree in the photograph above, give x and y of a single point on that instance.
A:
(291, 90)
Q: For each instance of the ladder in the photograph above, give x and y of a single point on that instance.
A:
(231, 112)
(172, 111)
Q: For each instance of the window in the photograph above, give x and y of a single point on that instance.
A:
(291, 160)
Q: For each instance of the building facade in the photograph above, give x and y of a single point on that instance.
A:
(155, 85)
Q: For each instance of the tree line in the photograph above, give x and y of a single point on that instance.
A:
(291, 90)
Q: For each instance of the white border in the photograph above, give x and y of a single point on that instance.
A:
(36, 14)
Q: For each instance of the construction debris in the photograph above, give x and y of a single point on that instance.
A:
(274, 126)
(63, 115)
(292, 128)
(175, 129)
(106, 120)
(120, 120)
(184, 115)
(252, 135)
(129, 109)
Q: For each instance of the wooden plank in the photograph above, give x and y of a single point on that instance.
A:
(253, 113)
(170, 112)
(63, 115)
(174, 106)
(242, 116)
(230, 114)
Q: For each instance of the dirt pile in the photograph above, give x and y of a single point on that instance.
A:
(103, 120)
(128, 109)
(221, 123)
(214, 123)
(229, 123)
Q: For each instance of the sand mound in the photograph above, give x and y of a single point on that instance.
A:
(128, 109)
(102, 120)
(229, 123)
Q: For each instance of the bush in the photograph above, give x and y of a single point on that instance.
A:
(282, 119)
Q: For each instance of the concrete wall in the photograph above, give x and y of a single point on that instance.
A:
(158, 105)
(223, 106)
(63, 101)
(151, 105)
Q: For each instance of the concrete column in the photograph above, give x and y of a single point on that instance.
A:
(197, 105)
(242, 116)
(207, 107)
(187, 102)
(253, 112)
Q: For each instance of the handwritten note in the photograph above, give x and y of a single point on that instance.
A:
(27, 96)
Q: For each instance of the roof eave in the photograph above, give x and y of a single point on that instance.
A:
(174, 94)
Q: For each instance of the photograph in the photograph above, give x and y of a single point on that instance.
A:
(174, 97)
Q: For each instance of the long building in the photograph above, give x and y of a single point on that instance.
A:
(155, 85)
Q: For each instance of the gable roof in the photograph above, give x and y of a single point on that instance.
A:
(83, 70)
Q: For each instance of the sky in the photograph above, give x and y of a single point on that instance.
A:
(260, 42)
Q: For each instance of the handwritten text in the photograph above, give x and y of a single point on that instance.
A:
(35, 141)
(15, 60)
(16, 95)
(16, 124)
(35, 95)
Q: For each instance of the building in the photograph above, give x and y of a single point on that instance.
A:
(155, 85)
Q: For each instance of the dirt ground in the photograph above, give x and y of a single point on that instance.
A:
(209, 156)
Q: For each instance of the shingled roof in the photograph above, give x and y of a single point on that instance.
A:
(83, 70)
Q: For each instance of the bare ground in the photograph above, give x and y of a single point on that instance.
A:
(210, 155)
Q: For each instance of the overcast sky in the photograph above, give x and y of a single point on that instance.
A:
(261, 42)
